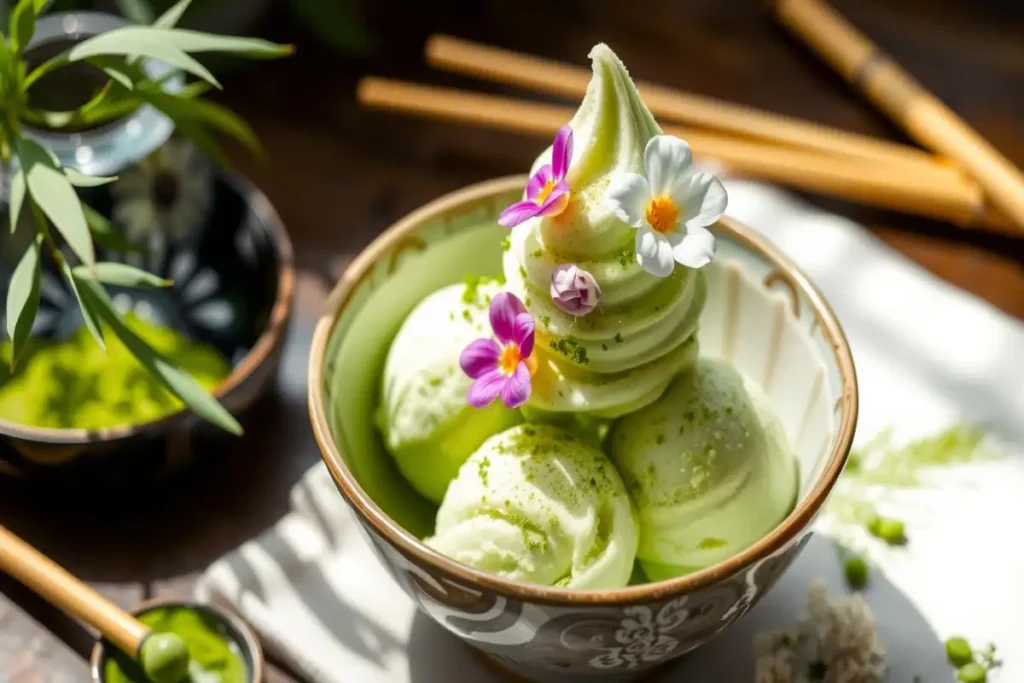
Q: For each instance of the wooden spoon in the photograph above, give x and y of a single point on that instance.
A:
(163, 656)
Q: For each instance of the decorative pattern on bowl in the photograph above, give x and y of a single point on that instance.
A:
(761, 313)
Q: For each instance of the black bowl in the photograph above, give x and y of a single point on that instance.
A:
(233, 282)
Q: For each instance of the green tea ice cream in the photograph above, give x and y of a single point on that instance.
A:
(620, 356)
(708, 468)
(536, 504)
(423, 416)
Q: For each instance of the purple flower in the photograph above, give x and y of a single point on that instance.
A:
(574, 290)
(503, 367)
(547, 192)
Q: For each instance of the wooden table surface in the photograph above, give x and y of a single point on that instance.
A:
(339, 175)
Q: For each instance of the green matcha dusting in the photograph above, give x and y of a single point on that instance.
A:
(570, 347)
(75, 385)
(472, 294)
(215, 658)
(882, 465)
(627, 258)
(506, 244)
(545, 320)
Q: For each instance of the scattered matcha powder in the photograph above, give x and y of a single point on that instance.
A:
(522, 272)
(537, 253)
(545, 320)
(506, 243)
(466, 315)
(626, 257)
(712, 543)
(569, 347)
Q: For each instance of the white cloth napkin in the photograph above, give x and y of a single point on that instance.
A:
(927, 355)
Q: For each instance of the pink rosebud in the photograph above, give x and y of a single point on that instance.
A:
(574, 290)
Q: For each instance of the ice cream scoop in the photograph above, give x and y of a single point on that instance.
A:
(536, 504)
(423, 416)
(618, 356)
(708, 468)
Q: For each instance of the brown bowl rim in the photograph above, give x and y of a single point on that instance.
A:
(414, 549)
(252, 641)
(256, 356)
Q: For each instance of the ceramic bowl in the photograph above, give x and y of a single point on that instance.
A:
(762, 314)
(233, 282)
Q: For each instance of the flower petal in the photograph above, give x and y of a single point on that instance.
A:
(480, 357)
(666, 162)
(522, 334)
(654, 252)
(485, 389)
(628, 194)
(518, 213)
(537, 181)
(696, 249)
(517, 387)
(559, 193)
(561, 152)
(505, 308)
(702, 198)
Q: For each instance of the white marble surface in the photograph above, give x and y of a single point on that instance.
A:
(927, 355)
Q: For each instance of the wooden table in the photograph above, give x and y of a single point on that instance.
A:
(340, 175)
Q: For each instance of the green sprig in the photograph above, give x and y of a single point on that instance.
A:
(40, 183)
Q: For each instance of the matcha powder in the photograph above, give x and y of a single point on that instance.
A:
(73, 384)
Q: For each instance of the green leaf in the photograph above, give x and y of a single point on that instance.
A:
(79, 179)
(23, 24)
(17, 198)
(104, 232)
(171, 17)
(137, 11)
(5, 59)
(23, 299)
(144, 41)
(53, 193)
(175, 379)
(204, 113)
(119, 76)
(89, 315)
(121, 275)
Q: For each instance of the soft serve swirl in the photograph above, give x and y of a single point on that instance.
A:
(622, 355)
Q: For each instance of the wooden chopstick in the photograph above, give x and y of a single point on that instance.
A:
(667, 104)
(906, 101)
(955, 199)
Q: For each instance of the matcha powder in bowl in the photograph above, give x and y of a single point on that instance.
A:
(74, 384)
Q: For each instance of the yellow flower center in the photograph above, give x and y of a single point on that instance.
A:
(559, 206)
(663, 214)
(509, 359)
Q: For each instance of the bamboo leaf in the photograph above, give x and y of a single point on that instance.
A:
(170, 18)
(53, 193)
(89, 315)
(175, 379)
(105, 234)
(122, 275)
(23, 299)
(137, 11)
(23, 25)
(205, 113)
(17, 198)
(142, 41)
(79, 179)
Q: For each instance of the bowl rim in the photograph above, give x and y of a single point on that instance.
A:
(253, 359)
(420, 554)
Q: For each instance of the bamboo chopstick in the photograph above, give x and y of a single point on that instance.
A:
(535, 73)
(920, 113)
(956, 199)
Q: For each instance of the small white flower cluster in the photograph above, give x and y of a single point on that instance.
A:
(835, 642)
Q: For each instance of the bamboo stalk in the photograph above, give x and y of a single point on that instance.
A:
(921, 114)
(543, 75)
(955, 199)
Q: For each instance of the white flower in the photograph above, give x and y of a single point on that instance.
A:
(835, 642)
(168, 194)
(670, 208)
